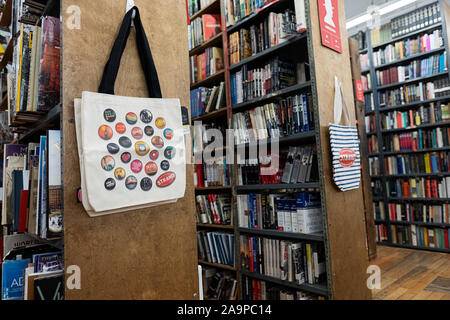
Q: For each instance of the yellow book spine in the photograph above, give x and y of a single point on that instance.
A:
(427, 163)
(425, 236)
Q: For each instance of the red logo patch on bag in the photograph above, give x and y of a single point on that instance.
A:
(347, 157)
(166, 179)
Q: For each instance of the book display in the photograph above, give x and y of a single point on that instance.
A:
(278, 221)
(407, 126)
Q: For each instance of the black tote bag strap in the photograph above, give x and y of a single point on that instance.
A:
(112, 66)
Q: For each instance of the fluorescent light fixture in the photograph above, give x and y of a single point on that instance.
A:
(389, 8)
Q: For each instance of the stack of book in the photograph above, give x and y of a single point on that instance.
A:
(218, 285)
(299, 213)
(413, 70)
(381, 233)
(274, 30)
(206, 64)
(216, 247)
(248, 84)
(236, 10)
(289, 116)
(261, 290)
(203, 29)
(417, 140)
(32, 200)
(418, 212)
(205, 100)
(434, 162)
(381, 35)
(415, 117)
(436, 188)
(424, 237)
(298, 262)
(407, 48)
(214, 209)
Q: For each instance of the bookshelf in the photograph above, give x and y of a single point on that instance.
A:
(407, 227)
(342, 272)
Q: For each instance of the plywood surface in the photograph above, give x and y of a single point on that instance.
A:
(149, 253)
(365, 173)
(345, 210)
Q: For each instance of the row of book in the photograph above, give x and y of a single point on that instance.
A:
(31, 270)
(372, 144)
(415, 117)
(203, 29)
(417, 140)
(371, 124)
(204, 134)
(436, 188)
(434, 162)
(255, 290)
(374, 166)
(212, 175)
(298, 165)
(414, 93)
(275, 29)
(413, 70)
(34, 84)
(381, 233)
(299, 213)
(407, 48)
(219, 285)
(410, 22)
(366, 81)
(248, 84)
(298, 262)
(364, 61)
(205, 100)
(206, 64)
(216, 247)
(289, 116)
(369, 104)
(214, 209)
(418, 212)
(424, 237)
(32, 198)
(195, 6)
(362, 39)
(416, 20)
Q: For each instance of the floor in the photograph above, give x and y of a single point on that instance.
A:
(405, 274)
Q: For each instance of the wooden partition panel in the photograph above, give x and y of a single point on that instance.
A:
(143, 254)
(346, 231)
(360, 113)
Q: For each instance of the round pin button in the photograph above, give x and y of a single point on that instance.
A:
(160, 123)
(136, 132)
(113, 148)
(125, 142)
(105, 132)
(119, 173)
(146, 116)
(110, 184)
(165, 165)
(136, 166)
(168, 134)
(158, 142)
(141, 148)
(154, 154)
(131, 118)
(146, 184)
(131, 182)
(108, 163)
(125, 157)
(169, 153)
(109, 115)
(149, 131)
(121, 128)
(151, 168)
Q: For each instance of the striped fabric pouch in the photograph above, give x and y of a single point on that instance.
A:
(344, 143)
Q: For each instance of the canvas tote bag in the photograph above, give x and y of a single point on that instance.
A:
(344, 145)
(131, 150)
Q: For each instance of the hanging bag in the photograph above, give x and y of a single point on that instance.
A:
(344, 146)
(131, 150)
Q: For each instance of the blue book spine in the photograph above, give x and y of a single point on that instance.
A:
(12, 279)
(308, 200)
(255, 260)
(250, 198)
(305, 113)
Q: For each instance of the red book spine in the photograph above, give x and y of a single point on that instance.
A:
(250, 253)
(435, 189)
(446, 238)
(200, 178)
(23, 211)
(428, 188)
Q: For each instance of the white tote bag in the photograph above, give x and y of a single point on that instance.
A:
(131, 150)
(344, 146)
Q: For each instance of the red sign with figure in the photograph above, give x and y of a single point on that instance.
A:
(359, 90)
(329, 24)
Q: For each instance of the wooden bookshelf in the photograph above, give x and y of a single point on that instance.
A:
(215, 226)
(214, 115)
(209, 81)
(214, 42)
(213, 7)
(217, 265)
(380, 111)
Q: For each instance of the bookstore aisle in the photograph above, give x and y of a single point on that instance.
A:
(257, 150)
